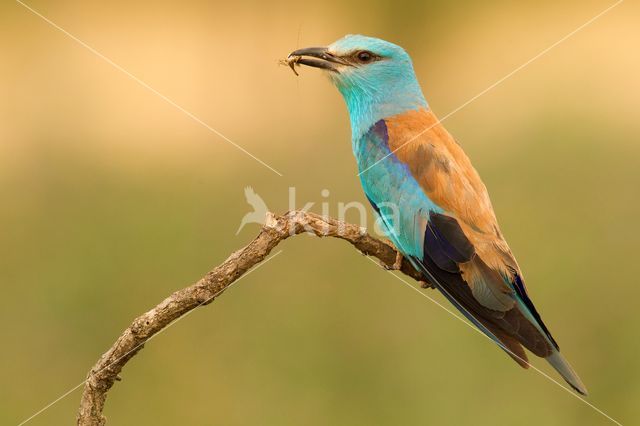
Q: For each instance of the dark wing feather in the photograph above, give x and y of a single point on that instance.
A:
(445, 248)
(518, 284)
(453, 241)
(446, 243)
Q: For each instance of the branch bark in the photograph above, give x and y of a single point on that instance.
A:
(105, 372)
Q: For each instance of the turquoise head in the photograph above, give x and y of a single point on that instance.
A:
(375, 77)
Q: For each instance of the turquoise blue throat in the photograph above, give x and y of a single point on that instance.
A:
(369, 101)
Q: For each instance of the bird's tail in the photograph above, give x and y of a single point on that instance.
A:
(242, 224)
(563, 367)
(509, 344)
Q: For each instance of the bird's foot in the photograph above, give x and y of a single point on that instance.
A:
(397, 265)
(426, 284)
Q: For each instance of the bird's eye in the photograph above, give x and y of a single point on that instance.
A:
(364, 56)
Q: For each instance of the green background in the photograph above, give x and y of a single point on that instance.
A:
(112, 199)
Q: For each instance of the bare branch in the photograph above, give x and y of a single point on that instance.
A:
(276, 229)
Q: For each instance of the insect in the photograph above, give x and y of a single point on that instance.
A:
(291, 62)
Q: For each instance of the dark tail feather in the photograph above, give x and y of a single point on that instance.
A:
(509, 344)
(512, 347)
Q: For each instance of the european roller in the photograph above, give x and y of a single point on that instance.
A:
(432, 203)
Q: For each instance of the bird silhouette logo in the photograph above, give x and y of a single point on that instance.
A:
(259, 209)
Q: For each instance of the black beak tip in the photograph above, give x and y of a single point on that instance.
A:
(315, 52)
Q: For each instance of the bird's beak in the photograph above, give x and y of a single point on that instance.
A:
(317, 57)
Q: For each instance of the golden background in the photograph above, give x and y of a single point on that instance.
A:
(112, 198)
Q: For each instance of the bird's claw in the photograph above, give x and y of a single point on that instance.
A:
(397, 265)
(425, 284)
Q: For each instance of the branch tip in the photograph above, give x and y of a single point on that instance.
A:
(106, 371)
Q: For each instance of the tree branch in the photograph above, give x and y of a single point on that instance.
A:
(276, 229)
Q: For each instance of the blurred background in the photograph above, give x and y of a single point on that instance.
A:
(112, 198)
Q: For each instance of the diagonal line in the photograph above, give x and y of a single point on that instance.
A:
(146, 86)
(70, 391)
(498, 82)
(502, 346)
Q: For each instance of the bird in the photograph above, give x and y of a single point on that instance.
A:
(259, 209)
(431, 200)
